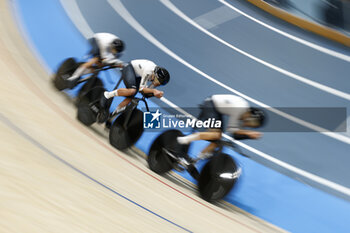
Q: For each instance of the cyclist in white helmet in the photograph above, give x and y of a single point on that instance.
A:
(240, 114)
(106, 48)
(139, 75)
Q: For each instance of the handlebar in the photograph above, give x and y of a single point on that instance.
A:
(143, 99)
(147, 95)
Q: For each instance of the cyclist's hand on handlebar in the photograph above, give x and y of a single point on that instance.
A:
(158, 94)
(148, 95)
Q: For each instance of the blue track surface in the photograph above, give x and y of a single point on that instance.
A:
(261, 191)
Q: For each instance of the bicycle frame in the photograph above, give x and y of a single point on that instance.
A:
(232, 145)
(129, 109)
(94, 74)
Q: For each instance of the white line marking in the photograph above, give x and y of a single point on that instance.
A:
(308, 175)
(74, 13)
(322, 87)
(304, 42)
(120, 9)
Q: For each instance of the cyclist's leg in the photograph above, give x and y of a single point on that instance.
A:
(210, 148)
(207, 152)
(122, 105)
(83, 69)
(120, 108)
(129, 79)
(211, 135)
(86, 67)
(208, 136)
(207, 112)
(121, 92)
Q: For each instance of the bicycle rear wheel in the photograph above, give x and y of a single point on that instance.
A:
(65, 70)
(85, 114)
(88, 101)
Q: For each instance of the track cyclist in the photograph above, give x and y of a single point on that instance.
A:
(106, 49)
(240, 114)
(139, 75)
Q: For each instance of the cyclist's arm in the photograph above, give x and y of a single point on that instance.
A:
(146, 75)
(234, 125)
(246, 134)
(105, 55)
(147, 90)
(153, 92)
(104, 41)
(108, 58)
(143, 84)
(115, 63)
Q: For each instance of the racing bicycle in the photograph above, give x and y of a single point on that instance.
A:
(218, 176)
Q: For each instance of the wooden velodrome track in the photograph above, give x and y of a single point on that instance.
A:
(58, 176)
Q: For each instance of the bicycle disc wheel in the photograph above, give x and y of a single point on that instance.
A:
(85, 114)
(65, 70)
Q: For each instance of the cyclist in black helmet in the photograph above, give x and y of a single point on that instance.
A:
(106, 48)
(240, 114)
(138, 75)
